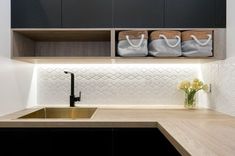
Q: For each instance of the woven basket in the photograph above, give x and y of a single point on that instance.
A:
(165, 44)
(186, 35)
(132, 35)
(197, 43)
(155, 35)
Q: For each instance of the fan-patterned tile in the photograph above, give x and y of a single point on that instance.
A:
(221, 75)
(115, 83)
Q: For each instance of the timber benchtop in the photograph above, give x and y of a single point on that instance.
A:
(192, 132)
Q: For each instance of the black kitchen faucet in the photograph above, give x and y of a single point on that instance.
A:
(73, 99)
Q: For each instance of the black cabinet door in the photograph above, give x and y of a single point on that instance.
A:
(36, 13)
(138, 13)
(190, 13)
(87, 13)
(55, 141)
(220, 13)
(141, 141)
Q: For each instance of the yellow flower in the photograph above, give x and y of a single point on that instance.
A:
(184, 85)
(205, 87)
(196, 80)
(194, 86)
(200, 83)
(197, 84)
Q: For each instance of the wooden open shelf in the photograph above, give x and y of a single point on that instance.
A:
(66, 35)
(92, 46)
(61, 43)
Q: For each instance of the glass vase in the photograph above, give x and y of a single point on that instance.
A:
(190, 100)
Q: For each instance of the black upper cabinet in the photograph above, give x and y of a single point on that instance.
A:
(190, 13)
(118, 13)
(36, 13)
(220, 14)
(138, 13)
(87, 13)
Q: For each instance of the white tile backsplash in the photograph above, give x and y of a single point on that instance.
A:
(221, 75)
(115, 84)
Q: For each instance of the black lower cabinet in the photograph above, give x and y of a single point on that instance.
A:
(141, 142)
(71, 141)
(85, 141)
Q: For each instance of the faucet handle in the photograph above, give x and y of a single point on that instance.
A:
(78, 98)
(80, 95)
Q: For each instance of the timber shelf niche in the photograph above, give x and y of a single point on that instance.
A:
(90, 46)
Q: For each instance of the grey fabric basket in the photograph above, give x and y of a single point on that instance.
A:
(133, 47)
(196, 47)
(162, 46)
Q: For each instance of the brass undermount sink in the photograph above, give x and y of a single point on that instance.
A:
(59, 113)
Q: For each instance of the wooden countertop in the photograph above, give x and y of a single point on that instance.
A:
(192, 132)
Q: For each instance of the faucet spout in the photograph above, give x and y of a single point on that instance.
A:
(72, 82)
(73, 99)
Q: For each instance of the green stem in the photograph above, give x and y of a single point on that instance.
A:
(190, 97)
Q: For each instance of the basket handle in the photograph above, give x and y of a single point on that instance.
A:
(139, 44)
(199, 42)
(168, 43)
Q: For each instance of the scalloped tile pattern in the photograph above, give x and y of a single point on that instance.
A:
(145, 84)
(221, 75)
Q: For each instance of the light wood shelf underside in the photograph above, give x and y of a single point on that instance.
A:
(111, 60)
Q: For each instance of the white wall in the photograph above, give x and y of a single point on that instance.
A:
(16, 91)
(221, 74)
(230, 28)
